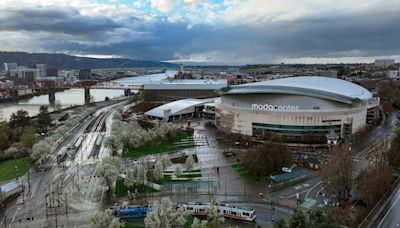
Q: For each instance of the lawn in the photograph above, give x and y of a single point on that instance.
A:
(162, 146)
(7, 168)
(134, 223)
(243, 173)
(121, 190)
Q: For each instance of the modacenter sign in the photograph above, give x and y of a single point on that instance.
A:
(269, 107)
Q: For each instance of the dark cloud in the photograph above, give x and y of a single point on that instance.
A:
(363, 34)
(57, 22)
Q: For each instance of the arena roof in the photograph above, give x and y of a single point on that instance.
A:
(314, 86)
(178, 107)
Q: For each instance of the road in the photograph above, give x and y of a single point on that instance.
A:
(389, 217)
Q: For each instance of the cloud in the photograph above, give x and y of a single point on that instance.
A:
(236, 31)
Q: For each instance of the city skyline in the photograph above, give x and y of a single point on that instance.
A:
(201, 31)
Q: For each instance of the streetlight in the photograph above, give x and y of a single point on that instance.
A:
(16, 172)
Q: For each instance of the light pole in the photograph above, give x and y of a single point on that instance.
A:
(16, 172)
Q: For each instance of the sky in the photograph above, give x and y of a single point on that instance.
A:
(206, 31)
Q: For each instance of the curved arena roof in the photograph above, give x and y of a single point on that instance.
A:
(314, 86)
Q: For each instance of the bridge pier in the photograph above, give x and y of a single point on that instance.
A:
(52, 96)
(87, 95)
(127, 92)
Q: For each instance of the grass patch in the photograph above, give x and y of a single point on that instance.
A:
(243, 173)
(161, 181)
(7, 168)
(134, 223)
(121, 190)
(162, 146)
(189, 222)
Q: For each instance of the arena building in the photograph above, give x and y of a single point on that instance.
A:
(295, 108)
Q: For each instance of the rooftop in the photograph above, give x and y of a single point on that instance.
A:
(178, 107)
(187, 84)
(314, 86)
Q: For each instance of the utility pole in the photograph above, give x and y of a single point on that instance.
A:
(66, 203)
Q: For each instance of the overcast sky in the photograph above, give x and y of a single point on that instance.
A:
(212, 31)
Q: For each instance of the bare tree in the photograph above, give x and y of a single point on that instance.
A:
(393, 155)
(267, 158)
(374, 182)
(336, 172)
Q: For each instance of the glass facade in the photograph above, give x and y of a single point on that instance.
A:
(260, 129)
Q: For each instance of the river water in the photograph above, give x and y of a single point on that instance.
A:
(74, 97)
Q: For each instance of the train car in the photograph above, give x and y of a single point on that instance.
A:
(225, 210)
(99, 139)
(62, 155)
(131, 212)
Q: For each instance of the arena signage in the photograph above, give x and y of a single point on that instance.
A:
(269, 107)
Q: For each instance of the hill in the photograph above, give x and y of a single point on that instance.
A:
(67, 62)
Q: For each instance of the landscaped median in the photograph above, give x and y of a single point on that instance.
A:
(186, 175)
(180, 140)
(8, 170)
(121, 190)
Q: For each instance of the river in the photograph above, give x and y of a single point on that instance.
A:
(73, 97)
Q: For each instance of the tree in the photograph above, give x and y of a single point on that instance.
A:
(213, 217)
(39, 149)
(178, 171)
(11, 152)
(109, 169)
(336, 172)
(280, 223)
(130, 179)
(197, 223)
(393, 155)
(158, 171)
(18, 122)
(20, 119)
(105, 219)
(374, 182)
(165, 161)
(268, 158)
(189, 163)
(43, 120)
(318, 219)
(5, 135)
(113, 143)
(298, 219)
(28, 138)
(140, 173)
(165, 214)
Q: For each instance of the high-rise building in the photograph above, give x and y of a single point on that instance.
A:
(10, 66)
(52, 72)
(42, 68)
(84, 74)
(384, 62)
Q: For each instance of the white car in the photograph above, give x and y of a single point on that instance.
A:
(286, 169)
